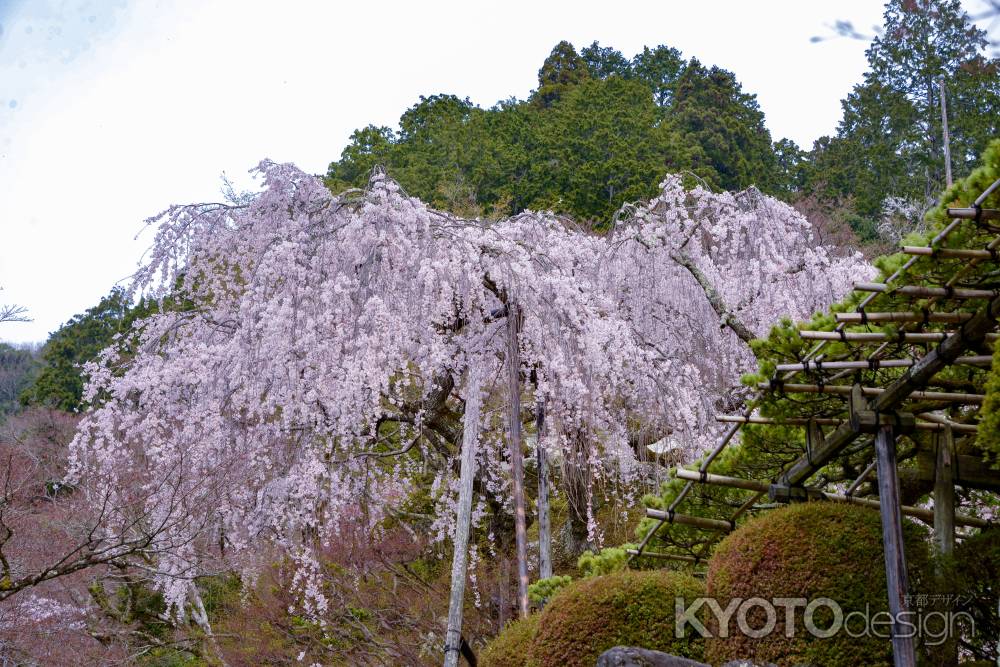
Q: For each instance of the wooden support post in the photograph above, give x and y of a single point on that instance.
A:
(463, 520)
(544, 524)
(903, 651)
(944, 494)
(517, 455)
(944, 517)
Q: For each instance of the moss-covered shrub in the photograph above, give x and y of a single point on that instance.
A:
(511, 647)
(627, 608)
(810, 550)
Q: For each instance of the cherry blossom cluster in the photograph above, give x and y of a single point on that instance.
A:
(303, 338)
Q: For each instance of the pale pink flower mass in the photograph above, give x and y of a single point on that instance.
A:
(306, 337)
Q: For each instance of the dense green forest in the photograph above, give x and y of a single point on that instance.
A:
(602, 129)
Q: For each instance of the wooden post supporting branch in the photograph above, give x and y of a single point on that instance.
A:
(903, 652)
(544, 523)
(460, 559)
(944, 494)
(944, 516)
(517, 455)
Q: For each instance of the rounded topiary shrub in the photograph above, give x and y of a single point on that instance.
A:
(626, 608)
(810, 551)
(510, 648)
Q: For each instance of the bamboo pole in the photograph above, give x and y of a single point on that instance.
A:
(460, 558)
(875, 364)
(970, 214)
(904, 316)
(762, 487)
(688, 520)
(948, 253)
(843, 390)
(878, 337)
(826, 421)
(664, 556)
(921, 291)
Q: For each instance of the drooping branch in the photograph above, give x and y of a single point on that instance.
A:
(726, 317)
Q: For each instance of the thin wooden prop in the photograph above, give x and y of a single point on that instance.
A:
(844, 390)
(828, 421)
(875, 364)
(922, 291)
(863, 317)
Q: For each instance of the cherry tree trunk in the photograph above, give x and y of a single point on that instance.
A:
(460, 560)
(517, 457)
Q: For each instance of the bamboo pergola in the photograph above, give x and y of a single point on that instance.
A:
(901, 371)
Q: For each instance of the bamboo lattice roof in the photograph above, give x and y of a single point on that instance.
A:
(913, 351)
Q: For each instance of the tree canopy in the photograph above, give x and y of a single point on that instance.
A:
(599, 131)
(889, 143)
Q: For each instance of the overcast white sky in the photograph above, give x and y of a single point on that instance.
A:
(112, 110)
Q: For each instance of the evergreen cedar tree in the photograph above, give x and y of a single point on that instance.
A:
(889, 141)
(59, 381)
(686, 117)
(598, 132)
(320, 358)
